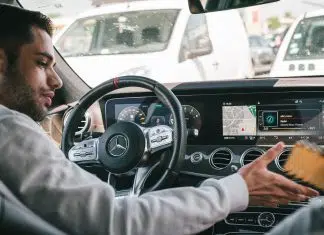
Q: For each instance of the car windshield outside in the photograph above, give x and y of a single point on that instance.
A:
(307, 42)
(162, 40)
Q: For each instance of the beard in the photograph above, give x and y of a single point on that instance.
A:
(18, 95)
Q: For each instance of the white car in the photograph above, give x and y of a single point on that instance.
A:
(172, 46)
(302, 50)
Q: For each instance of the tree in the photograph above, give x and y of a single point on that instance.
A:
(288, 14)
(274, 23)
(54, 15)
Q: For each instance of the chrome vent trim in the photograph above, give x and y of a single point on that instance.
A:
(250, 155)
(220, 158)
(282, 158)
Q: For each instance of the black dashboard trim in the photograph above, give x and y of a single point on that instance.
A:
(266, 84)
(228, 84)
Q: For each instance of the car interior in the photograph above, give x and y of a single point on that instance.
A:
(189, 132)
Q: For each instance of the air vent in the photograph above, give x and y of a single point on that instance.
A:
(281, 159)
(84, 124)
(250, 155)
(221, 158)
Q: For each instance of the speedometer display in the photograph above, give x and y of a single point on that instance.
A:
(192, 117)
(132, 114)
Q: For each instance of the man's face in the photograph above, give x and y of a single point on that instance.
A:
(28, 86)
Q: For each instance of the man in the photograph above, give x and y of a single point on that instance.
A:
(306, 221)
(38, 173)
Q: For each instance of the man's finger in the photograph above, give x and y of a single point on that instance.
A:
(293, 187)
(311, 192)
(278, 193)
(271, 154)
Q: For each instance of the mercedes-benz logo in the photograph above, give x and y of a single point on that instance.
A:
(118, 145)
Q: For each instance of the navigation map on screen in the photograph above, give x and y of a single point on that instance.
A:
(239, 120)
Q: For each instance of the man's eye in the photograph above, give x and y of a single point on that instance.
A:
(42, 64)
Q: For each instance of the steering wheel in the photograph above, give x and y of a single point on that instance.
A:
(127, 146)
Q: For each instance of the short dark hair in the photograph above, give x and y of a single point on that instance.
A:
(16, 28)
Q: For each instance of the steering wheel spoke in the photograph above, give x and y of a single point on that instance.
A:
(158, 138)
(141, 176)
(84, 152)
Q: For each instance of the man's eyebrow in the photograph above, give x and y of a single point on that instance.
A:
(46, 54)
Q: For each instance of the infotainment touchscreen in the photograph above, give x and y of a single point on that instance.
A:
(286, 120)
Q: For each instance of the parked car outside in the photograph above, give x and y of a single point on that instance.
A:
(302, 51)
(262, 54)
(172, 46)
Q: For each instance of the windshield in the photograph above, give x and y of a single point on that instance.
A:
(160, 39)
(118, 33)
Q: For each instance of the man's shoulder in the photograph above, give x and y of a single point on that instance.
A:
(6, 113)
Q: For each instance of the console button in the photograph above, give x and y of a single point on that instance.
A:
(251, 221)
(196, 157)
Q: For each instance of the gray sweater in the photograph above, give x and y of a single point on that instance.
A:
(59, 191)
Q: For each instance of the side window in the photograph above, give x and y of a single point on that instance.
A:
(196, 41)
(263, 42)
(78, 40)
(254, 42)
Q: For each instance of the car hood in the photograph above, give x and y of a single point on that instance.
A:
(97, 69)
(298, 68)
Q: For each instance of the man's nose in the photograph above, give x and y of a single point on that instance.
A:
(54, 81)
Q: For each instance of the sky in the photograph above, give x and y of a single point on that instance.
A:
(68, 7)
(296, 7)
(72, 7)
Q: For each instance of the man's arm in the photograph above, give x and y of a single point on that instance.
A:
(38, 173)
(308, 220)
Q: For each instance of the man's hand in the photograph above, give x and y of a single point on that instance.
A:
(269, 189)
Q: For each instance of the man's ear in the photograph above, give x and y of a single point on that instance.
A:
(3, 61)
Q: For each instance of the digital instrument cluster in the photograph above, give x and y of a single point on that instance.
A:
(148, 114)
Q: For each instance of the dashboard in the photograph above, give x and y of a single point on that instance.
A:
(228, 130)
(229, 125)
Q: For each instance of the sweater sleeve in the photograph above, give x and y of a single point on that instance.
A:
(67, 196)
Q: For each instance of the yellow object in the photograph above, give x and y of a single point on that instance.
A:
(306, 162)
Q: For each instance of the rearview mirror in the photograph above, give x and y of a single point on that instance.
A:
(204, 6)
